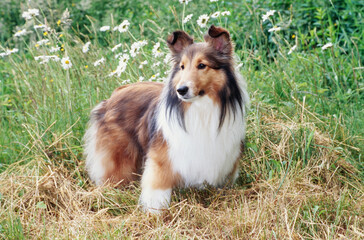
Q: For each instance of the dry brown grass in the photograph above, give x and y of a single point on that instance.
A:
(319, 198)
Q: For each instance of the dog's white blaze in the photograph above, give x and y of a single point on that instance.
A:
(94, 158)
(203, 152)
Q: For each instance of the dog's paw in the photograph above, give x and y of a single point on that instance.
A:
(154, 201)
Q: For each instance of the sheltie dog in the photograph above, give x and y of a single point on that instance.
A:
(186, 132)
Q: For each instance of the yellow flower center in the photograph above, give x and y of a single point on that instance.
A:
(67, 62)
(45, 33)
(293, 36)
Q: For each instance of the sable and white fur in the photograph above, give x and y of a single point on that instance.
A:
(186, 132)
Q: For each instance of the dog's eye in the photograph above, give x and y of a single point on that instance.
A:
(201, 66)
(182, 67)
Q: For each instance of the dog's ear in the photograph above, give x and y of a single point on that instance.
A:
(178, 41)
(219, 39)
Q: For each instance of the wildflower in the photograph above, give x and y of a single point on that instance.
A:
(30, 14)
(187, 18)
(123, 27)
(121, 66)
(45, 58)
(127, 81)
(51, 80)
(184, 1)
(20, 33)
(8, 52)
(292, 49)
(202, 20)
(66, 63)
(153, 77)
(42, 42)
(85, 47)
(61, 35)
(216, 14)
(58, 22)
(116, 47)
(167, 58)
(274, 29)
(269, 13)
(104, 28)
(86, 66)
(42, 27)
(124, 58)
(293, 36)
(36, 45)
(157, 50)
(327, 45)
(214, 0)
(141, 78)
(134, 49)
(156, 64)
(54, 49)
(45, 33)
(100, 61)
(225, 13)
(142, 64)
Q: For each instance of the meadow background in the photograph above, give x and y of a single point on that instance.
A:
(302, 170)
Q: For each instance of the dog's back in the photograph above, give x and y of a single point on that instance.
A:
(119, 133)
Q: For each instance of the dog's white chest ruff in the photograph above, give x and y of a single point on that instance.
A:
(203, 152)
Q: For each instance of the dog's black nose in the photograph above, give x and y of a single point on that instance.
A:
(182, 90)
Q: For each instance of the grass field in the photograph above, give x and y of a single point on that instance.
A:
(302, 171)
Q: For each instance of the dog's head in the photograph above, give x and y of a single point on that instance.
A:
(200, 68)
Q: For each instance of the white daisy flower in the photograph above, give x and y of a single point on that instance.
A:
(157, 50)
(202, 20)
(187, 18)
(292, 49)
(20, 33)
(105, 28)
(225, 13)
(184, 1)
(54, 49)
(42, 42)
(124, 26)
(14, 50)
(134, 49)
(100, 61)
(42, 26)
(167, 58)
(156, 64)
(30, 13)
(124, 58)
(269, 13)
(216, 14)
(116, 47)
(142, 64)
(127, 81)
(8, 52)
(274, 29)
(66, 63)
(327, 45)
(153, 77)
(85, 47)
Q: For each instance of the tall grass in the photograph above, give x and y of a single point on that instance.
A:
(301, 176)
